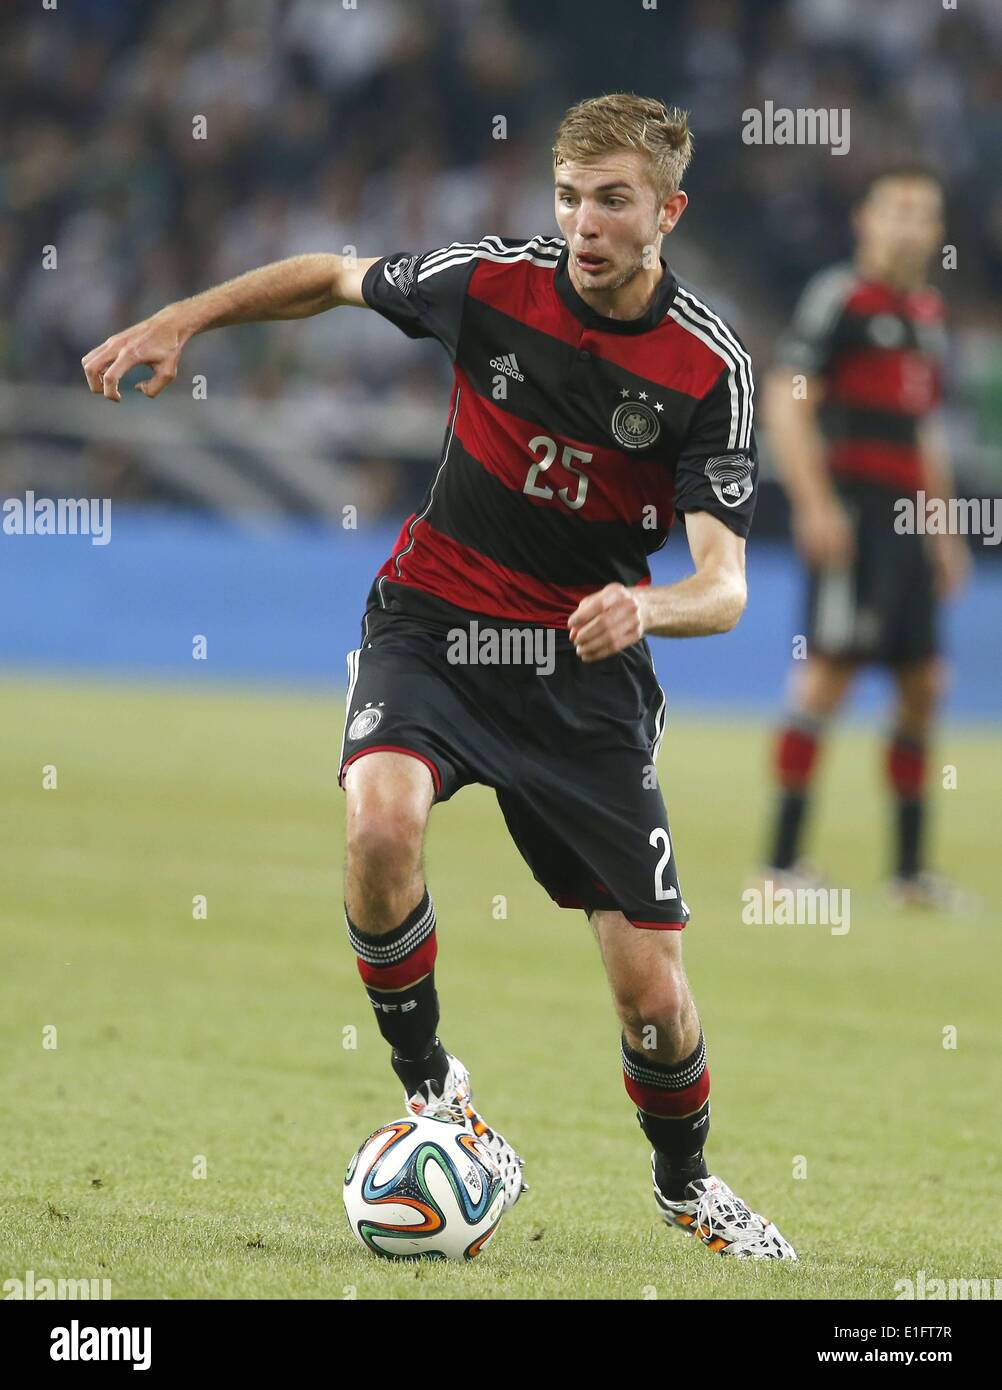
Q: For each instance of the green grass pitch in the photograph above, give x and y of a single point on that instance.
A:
(223, 1039)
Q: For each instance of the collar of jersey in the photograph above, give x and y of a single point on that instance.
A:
(584, 313)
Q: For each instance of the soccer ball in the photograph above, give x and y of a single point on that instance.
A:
(422, 1188)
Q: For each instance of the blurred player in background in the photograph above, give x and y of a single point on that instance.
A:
(852, 407)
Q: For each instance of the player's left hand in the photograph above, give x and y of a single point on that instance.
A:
(952, 564)
(607, 621)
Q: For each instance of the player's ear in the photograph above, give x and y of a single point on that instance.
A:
(671, 210)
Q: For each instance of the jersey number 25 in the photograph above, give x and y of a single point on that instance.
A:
(549, 448)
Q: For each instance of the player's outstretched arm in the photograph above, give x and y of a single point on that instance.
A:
(709, 601)
(291, 289)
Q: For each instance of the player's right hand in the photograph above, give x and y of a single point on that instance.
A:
(823, 535)
(156, 343)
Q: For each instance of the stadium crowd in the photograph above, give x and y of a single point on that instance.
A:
(375, 129)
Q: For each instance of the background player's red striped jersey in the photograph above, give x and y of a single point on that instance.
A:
(573, 439)
(880, 353)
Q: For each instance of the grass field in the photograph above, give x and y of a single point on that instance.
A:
(223, 1038)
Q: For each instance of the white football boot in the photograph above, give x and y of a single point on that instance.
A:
(722, 1221)
(802, 874)
(455, 1103)
(931, 892)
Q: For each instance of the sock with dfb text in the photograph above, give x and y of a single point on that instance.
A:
(795, 758)
(398, 971)
(674, 1113)
(905, 766)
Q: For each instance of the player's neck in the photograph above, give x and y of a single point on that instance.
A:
(629, 301)
(881, 271)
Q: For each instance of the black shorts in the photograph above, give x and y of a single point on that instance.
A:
(882, 609)
(570, 753)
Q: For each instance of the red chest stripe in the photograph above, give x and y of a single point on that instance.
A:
(618, 487)
(885, 380)
(669, 356)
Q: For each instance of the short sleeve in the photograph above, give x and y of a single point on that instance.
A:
(717, 469)
(808, 344)
(423, 293)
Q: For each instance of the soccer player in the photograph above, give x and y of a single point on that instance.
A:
(595, 399)
(852, 410)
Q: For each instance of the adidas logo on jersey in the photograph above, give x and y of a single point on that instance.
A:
(508, 365)
(402, 272)
(730, 477)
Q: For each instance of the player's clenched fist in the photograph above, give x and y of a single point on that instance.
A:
(607, 621)
(156, 343)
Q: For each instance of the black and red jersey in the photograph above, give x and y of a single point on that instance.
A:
(573, 439)
(880, 353)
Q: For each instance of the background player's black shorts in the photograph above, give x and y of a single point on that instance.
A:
(882, 609)
(570, 755)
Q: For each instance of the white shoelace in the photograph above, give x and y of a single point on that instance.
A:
(750, 1227)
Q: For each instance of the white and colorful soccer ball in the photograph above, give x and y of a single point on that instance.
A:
(422, 1188)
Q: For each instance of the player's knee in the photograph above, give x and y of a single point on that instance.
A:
(931, 686)
(920, 694)
(648, 1007)
(823, 684)
(383, 839)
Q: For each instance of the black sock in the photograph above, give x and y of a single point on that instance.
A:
(796, 751)
(430, 1065)
(674, 1113)
(909, 835)
(789, 824)
(906, 768)
(397, 969)
(674, 1174)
